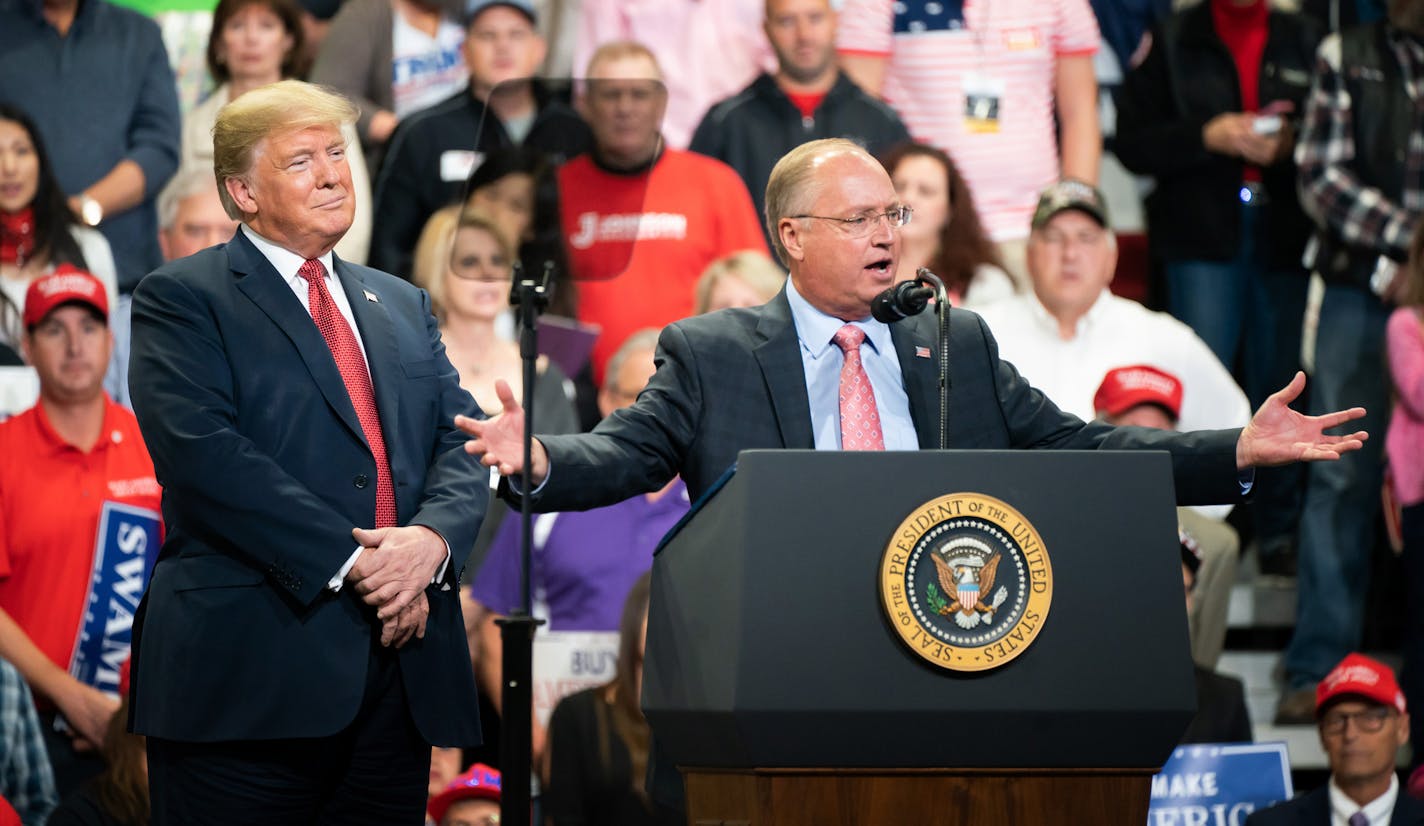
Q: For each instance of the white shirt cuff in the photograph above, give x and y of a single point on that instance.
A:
(335, 583)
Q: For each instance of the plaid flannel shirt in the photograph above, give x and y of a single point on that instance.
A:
(26, 779)
(1330, 191)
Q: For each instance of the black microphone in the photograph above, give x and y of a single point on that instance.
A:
(901, 301)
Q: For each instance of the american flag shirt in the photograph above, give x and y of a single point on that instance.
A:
(937, 48)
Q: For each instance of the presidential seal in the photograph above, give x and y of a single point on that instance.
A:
(966, 582)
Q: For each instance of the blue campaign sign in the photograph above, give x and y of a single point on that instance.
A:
(1219, 784)
(124, 549)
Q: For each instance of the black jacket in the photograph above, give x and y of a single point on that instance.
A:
(411, 185)
(1314, 810)
(1221, 710)
(1188, 78)
(750, 131)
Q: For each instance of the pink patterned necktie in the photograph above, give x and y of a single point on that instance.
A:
(347, 353)
(860, 419)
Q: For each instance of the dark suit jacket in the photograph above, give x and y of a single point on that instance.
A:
(1314, 810)
(1221, 716)
(265, 472)
(732, 381)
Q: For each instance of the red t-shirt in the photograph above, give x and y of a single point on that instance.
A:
(1243, 30)
(684, 213)
(51, 495)
(805, 103)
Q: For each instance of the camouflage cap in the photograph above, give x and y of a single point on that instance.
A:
(1070, 194)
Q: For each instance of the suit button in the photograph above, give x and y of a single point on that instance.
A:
(359, 481)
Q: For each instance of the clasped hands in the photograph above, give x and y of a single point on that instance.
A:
(395, 567)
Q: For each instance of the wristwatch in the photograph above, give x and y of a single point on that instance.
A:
(91, 212)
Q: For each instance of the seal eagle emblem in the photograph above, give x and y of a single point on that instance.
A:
(966, 582)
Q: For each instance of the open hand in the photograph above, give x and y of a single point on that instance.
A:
(1278, 435)
(499, 442)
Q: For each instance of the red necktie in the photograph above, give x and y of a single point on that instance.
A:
(860, 419)
(352, 365)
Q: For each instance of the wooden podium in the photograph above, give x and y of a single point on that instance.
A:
(832, 797)
(774, 681)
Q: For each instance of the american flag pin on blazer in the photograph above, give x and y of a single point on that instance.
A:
(920, 352)
(370, 296)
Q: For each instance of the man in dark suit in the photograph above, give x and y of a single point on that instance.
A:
(1363, 723)
(812, 369)
(300, 647)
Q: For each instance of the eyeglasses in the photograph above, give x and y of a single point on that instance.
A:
(1368, 721)
(862, 225)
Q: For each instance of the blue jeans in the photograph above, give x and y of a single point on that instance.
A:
(1337, 528)
(1242, 307)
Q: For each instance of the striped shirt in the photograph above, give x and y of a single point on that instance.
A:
(935, 50)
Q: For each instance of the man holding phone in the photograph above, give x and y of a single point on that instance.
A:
(1211, 114)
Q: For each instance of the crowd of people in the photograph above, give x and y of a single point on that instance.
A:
(646, 157)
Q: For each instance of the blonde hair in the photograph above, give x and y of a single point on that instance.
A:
(789, 190)
(620, 50)
(278, 108)
(433, 252)
(755, 269)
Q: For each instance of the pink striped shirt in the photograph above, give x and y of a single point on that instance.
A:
(1015, 42)
(1404, 443)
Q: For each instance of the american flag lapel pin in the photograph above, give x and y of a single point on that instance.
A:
(371, 297)
(922, 352)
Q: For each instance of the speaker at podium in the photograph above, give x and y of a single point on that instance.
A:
(875, 637)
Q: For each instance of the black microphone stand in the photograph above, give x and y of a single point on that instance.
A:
(530, 297)
(942, 313)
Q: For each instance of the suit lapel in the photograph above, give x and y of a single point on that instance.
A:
(260, 282)
(921, 374)
(1407, 810)
(378, 337)
(779, 354)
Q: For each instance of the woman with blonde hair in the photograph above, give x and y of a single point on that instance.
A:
(466, 264)
(742, 279)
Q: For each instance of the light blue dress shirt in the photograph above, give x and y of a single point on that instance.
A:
(822, 360)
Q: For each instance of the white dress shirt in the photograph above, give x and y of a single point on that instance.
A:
(1379, 810)
(822, 360)
(287, 263)
(1116, 332)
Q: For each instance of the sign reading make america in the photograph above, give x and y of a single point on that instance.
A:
(1219, 784)
(966, 582)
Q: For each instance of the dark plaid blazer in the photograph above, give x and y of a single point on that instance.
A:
(732, 380)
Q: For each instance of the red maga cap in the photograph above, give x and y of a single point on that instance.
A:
(1360, 676)
(479, 782)
(1124, 388)
(67, 283)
